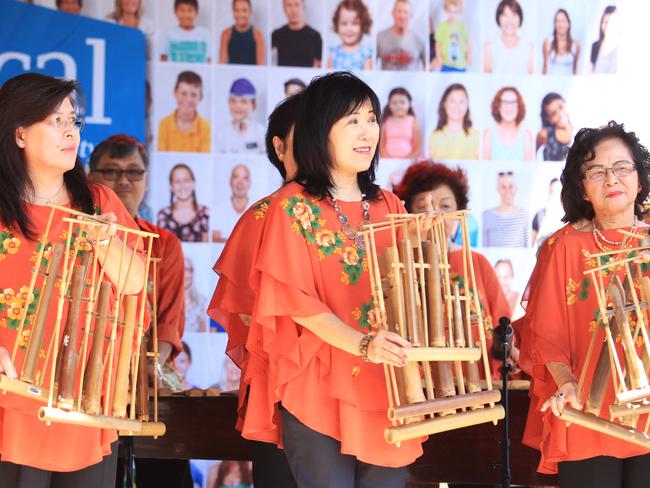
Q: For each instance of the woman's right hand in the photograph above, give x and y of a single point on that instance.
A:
(388, 347)
(6, 366)
(565, 395)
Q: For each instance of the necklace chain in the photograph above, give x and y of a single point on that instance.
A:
(349, 230)
(47, 200)
(598, 236)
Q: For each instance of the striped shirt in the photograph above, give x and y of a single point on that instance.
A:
(505, 230)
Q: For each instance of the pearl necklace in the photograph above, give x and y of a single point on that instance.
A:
(598, 236)
(349, 230)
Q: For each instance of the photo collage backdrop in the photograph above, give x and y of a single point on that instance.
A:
(449, 43)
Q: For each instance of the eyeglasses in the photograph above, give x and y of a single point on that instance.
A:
(599, 173)
(62, 124)
(114, 174)
(505, 173)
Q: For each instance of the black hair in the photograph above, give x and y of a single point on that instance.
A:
(514, 6)
(193, 3)
(398, 91)
(582, 151)
(25, 100)
(331, 97)
(187, 350)
(117, 146)
(294, 81)
(546, 101)
(281, 120)
(595, 47)
(59, 2)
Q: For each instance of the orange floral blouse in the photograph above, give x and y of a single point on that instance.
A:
(306, 266)
(561, 315)
(24, 439)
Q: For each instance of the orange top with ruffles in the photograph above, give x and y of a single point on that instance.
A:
(306, 266)
(234, 295)
(169, 283)
(494, 304)
(558, 325)
(24, 439)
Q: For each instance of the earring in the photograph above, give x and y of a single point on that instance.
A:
(20, 143)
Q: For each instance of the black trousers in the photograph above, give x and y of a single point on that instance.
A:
(270, 467)
(100, 475)
(606, 472)
(316, 461)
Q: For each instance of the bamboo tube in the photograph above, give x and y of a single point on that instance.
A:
(92, 385)
(49, 414)
(459, 333)
(441, 404)
(633, 395)
(67, 365)
(434, 286)
(638, 378)
(149, 429)
(442, 424)
(606, 427)
(410, 294)
(23, 389)
(473, 374)
(120, 396)
(599, 382)
(142, 401)
(628, 409)
(38, 329)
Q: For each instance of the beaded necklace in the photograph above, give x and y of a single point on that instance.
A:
(598, 237)
(349, 230)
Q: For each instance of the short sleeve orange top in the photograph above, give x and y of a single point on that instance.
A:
(24, 439)
(493, 302)
(306, 266)
(560, 319)
(169, 276)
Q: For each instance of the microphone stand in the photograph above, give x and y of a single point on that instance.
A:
(505, 332)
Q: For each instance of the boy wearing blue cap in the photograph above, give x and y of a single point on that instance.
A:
(242, 134)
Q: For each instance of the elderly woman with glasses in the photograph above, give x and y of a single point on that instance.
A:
(605, 181)
(39, 140)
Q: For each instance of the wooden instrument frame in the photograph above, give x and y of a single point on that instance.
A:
(43, 386)
(627, 371)
(441, 337)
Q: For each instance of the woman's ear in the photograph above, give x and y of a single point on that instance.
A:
(20, 141)
(278, 145)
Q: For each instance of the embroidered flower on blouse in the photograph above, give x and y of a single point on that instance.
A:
(261, 209)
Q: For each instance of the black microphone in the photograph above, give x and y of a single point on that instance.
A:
(502, 334)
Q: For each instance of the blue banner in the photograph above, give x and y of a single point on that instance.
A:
(108, 60)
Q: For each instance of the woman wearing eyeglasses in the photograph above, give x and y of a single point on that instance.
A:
(605, 181)
(39, 139)
(184, 216)
(508, 140)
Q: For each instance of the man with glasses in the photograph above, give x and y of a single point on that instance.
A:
(121, 163)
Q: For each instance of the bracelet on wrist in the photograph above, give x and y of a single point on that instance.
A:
(363, 346)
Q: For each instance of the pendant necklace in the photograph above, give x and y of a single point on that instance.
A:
(349, 230)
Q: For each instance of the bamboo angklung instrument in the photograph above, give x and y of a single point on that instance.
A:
(74, 377)
(425, 308)
(621, 364)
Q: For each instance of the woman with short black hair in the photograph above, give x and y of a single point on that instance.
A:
(321, 390)
(604, 184)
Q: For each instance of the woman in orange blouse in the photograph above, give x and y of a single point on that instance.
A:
(604, 183)
(426, 187)
(233, 299)
(39, 138)
(317, 384)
